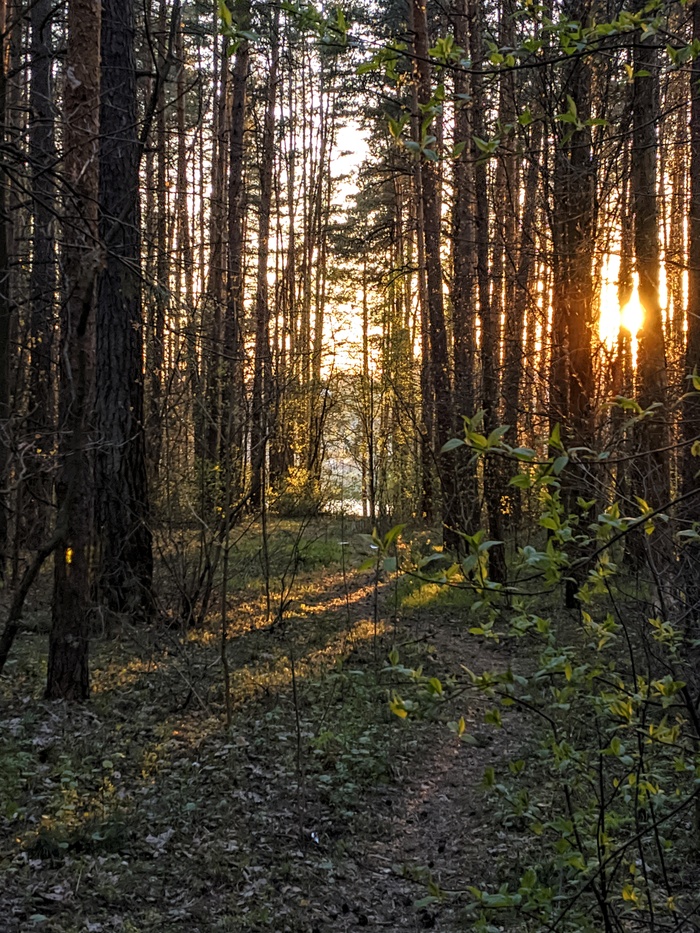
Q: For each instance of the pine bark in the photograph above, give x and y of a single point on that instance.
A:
(126, 569)
(488, 310)
(653, 474)
(233, 388)
(68, 677)
(43, 279)
(463, 275)
(6, 313)
(438, 347)
(262, 373)
(691, 404)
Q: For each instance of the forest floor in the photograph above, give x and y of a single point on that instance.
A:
(319, 810)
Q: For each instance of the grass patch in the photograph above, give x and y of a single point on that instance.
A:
(416, 595)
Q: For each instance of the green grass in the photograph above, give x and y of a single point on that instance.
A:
(416, 595)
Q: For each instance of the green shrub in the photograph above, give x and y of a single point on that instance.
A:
(603, 812)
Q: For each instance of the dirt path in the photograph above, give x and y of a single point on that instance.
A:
(434, 824)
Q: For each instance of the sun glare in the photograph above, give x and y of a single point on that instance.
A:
(612, 317)
(632, 315)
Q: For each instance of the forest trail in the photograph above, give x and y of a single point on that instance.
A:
(138, 813)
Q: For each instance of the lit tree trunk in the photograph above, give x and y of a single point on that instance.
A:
(262, 374)
(513, 370)
(691, 404)
(185, 265)
(158, 304)
(68, 643)
(676, 250)
(126, 568)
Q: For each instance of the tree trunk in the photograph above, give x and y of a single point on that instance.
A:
(653, 479)
(463, 272)
(5, 314)
(514, 338)
(488, 313)
(439, 357)
(155, 348)
(126, 568)
(233, 389)
(262, 373)
(68, 643)
(42, 287)
(690, 463)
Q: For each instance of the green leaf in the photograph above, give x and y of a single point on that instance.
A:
(431, 558)
(555, 438)
(497, 433)
(225, 14)
(452, 444)
(521, 481)
(392, 535)
(523, 453)
(487, 545)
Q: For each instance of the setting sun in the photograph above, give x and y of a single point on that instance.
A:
(612, 317)
(632, 315)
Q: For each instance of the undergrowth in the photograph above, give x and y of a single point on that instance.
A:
(602, 814)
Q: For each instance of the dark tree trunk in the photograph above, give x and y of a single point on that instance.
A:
(42, 156)
(217, 260)
(463, 273)
(490, 322)
(691, 409)
(439, 357)
(690, 463)
(574, 188)
(233, 388)
(68, 643)
(427, 391)
(573, 241)
(5, 315)
(126, 568)
(653, 479)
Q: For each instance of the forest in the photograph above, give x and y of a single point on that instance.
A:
(349, 466)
